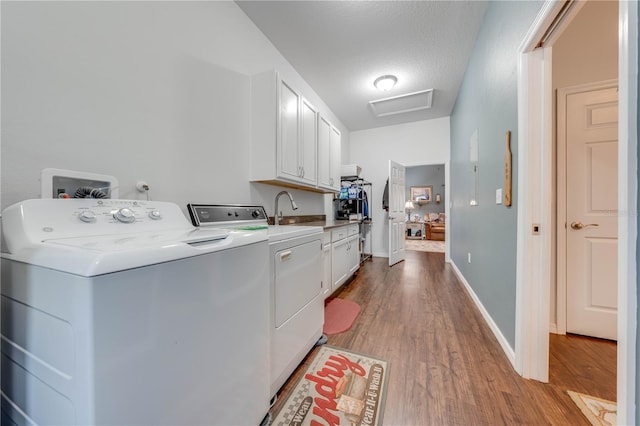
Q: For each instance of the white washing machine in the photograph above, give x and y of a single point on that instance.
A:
(295, 261)
(121, 312)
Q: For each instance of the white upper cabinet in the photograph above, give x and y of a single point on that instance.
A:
(328, 156)
(284, 132)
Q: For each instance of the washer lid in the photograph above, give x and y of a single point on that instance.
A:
(153, 241)
(91, 256)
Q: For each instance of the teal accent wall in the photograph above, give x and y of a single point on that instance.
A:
(429, 175)
(488, 102)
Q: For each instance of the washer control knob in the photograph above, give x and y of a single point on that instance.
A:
(155, 214)
(87, 216)
(125, 215)
(255, 214)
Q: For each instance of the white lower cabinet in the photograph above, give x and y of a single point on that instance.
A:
(345, 254)
(326, 258)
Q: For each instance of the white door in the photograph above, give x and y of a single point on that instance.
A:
(396, 212)
(592, 203)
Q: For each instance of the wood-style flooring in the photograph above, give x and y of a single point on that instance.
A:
(446, 366)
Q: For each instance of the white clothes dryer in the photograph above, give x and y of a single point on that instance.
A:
(295, 281)
(121, 312)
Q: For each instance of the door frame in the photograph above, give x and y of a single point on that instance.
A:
(561, 186)
(535, 192)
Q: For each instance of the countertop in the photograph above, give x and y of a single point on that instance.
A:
(316, 221)
(329, 224)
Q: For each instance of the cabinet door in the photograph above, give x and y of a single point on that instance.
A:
(324, 154)
(335, 146)
(326, 279)
(353, 254)
(308, 143)
(289, 135)
(339, 259)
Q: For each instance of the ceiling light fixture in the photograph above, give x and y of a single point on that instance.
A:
(385, 82)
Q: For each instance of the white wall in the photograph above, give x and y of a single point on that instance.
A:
(158, 91)
(421, 142)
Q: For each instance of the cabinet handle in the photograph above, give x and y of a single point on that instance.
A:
(285, 255)
(302, 169)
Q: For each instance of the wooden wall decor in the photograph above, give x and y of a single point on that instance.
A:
(507, 170)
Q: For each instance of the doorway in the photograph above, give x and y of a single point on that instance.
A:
(584, 71)
(535, 268)
(426, 217)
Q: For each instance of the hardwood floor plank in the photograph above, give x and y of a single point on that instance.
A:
(446, 367)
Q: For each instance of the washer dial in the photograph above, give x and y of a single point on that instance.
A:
(87, 216)
(125, 215)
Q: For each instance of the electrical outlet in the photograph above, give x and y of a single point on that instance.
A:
(469, 257)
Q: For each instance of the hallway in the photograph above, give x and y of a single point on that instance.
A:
(446, 366)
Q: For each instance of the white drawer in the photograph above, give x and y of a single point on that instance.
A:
(326, 238)
(353, 230)
(339, 234)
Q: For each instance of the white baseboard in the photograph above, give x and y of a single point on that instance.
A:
(508, 350)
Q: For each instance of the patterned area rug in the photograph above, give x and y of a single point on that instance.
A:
(424, 245)
(600, 412)
(340, 387)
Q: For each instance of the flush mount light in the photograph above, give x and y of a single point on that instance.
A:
(385, 82)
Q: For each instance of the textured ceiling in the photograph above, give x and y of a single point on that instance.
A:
(340, 47)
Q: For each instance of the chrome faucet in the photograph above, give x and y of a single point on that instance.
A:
(278, 215)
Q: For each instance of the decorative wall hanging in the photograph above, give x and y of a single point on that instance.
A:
(421, 194)
(507, 171)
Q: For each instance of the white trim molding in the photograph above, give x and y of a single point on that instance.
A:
(508, 350)
(627, 207)
(533, 262)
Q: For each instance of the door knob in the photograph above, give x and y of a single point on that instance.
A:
(580, 225)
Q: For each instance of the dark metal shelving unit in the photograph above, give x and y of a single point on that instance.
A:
(364, 224)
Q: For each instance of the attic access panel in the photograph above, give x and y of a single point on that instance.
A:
(415, 101)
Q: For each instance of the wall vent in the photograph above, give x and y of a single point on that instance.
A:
(415, 101)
